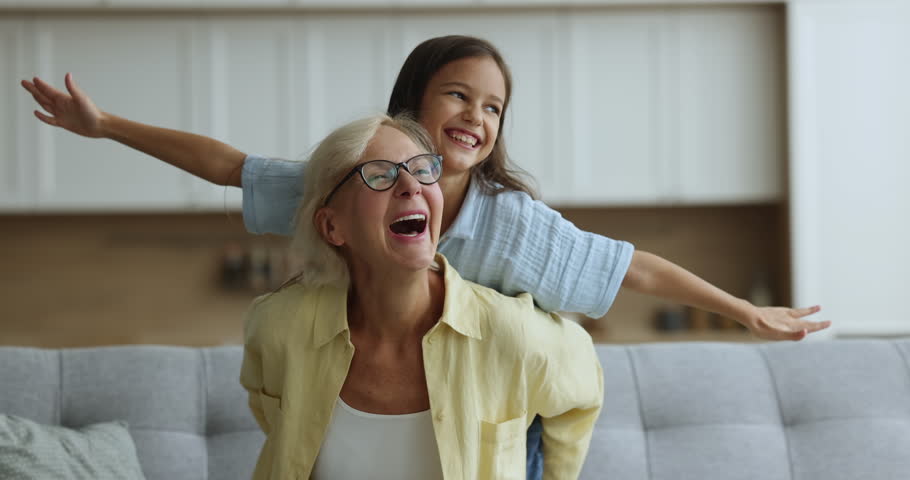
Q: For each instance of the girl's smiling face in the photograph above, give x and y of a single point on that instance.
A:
(461, 109)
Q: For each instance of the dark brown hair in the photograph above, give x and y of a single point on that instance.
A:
(496, 173)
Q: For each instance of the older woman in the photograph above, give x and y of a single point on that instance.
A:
(381, 362)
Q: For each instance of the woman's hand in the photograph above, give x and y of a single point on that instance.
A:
(73, 111)
(782, 323)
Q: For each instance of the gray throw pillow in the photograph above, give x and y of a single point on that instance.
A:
(30, 450)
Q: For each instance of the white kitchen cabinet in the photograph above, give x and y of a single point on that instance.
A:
(619, 106)
(618, 90)
(197, 4)
(730, 122)
(346, 69)
(676, 106)
(279, 86)
(17, 124)
(242, 83)
(49, 4)
(139, 69)
(849, 168)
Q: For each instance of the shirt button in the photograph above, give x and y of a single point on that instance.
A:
(439, 417)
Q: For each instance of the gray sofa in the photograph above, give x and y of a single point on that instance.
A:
(810, 410)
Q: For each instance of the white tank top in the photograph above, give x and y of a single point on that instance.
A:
(379, 447)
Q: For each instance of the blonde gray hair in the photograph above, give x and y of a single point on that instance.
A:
(333, 158)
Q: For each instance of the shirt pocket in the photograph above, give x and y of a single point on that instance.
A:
(502, 449)
(271, 409)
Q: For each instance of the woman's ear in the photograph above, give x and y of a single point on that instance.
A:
(325, 225)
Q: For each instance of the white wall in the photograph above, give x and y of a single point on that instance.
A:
(850, 162)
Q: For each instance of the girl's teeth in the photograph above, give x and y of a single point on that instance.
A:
(464, 138)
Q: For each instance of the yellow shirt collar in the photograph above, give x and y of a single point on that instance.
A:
(331, 312)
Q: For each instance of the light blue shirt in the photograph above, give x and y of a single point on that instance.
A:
(508, 241)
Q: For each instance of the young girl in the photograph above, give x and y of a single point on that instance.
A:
(495, 233)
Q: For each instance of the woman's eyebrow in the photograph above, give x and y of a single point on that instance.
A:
(468, 87)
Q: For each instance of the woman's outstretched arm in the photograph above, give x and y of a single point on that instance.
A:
(74, 110)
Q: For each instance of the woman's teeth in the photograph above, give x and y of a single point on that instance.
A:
(409, 225)
(415, 216)
(467, 139)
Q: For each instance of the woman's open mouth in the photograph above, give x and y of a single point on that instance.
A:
(410, 225)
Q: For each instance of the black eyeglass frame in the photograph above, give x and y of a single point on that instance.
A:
(359, 169)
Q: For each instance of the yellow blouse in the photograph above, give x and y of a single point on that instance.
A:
(492, 363)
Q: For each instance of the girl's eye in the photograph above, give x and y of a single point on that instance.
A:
(456, 95)
(493, 109)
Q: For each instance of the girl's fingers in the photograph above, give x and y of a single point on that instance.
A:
(40, 98)
(46, 89)
(802, 312)
(71, 86)
(816, 326)
(46, 119)
(799, 335)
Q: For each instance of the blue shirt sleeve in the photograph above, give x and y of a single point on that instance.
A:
(522, 245)
(272, 190)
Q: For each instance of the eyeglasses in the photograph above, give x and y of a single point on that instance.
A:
(381, 175)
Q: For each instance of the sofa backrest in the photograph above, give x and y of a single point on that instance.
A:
(186, 411)
(809, 410)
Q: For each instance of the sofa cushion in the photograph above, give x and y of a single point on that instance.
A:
(30, 450)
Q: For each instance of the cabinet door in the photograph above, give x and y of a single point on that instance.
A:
(241, 85)
(731, 100)
(164, 4)
(617, 89)
(49, 4)
(16, 119)
(529, 43)
(849, 171)
(278, 86)
(343, 68)
(134, 68)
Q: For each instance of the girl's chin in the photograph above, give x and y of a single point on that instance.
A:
(456, 163)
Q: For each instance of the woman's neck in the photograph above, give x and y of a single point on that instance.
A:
(454, 189)
(395, 308)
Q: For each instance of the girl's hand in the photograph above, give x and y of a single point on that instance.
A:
(781, 323)
(73, 111)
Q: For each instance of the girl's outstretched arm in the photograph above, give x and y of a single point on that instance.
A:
(653, 275)
(73, 110)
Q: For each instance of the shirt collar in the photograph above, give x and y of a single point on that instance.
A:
(460, 308)
(465, 224)
(331, 312)
(330, 317)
